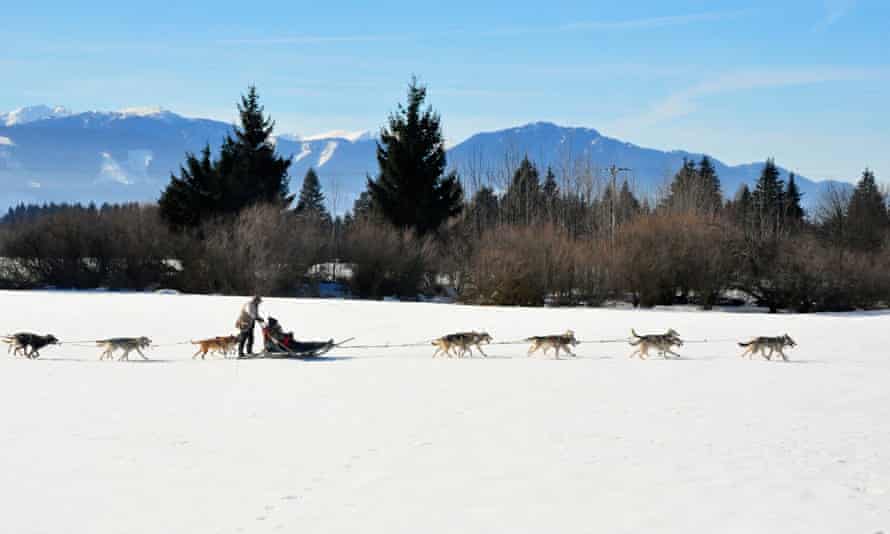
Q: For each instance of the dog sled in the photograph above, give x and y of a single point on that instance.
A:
(280, 344)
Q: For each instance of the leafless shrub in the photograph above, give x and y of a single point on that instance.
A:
(265, 250)
(386, 262)
(120, 247)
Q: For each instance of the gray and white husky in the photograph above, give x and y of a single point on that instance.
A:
(462, 342)
(661, 342)
(557, 342)
(125, 344)
(761, 344)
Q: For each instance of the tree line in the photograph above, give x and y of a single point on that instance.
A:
(228, 223)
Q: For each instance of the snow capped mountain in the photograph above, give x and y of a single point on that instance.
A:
(352, 137)
(128, 155)
(31, 114)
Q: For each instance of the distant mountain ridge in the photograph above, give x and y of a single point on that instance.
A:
(565, 147)
(52, 155)
(32, 114)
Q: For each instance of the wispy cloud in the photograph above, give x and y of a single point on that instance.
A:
(312, 39)
(834, 10)
(578, 26)
(646, 23)
(685, 102)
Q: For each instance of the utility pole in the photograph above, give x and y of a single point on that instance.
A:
(613, 171)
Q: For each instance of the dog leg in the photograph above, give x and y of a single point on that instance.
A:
(481, 351)
(139, 352)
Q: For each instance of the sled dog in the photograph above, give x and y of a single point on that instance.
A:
(557, 342)
(220, 345)
(774, 344)
(125, 344)
(462, 342)
(21, 342)
(661, 342)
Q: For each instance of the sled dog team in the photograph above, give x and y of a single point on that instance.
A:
(462, 344)
(459, 344)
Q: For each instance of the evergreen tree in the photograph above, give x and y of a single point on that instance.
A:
(362, 209)
(628, 205)
(681, 197)
(411, 190)
(550, 189)
(247, 172)
(867, 214)
(193, 196)
(793, 211)
(695, 189)
(768, 199)
(522, 200)
(311, 200)
(249, 166)
(711, 191)
(550, 194)
(483, 209)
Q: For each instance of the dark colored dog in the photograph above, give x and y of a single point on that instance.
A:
(21, 342)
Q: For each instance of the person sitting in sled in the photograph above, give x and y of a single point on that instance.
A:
(277, 340)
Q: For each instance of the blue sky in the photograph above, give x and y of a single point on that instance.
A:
(803, 81)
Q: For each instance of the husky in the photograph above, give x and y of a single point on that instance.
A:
(774, 344)
(463, 342)
(662, 342)
(126, 344)
(21, 342)
(220, 344)
(557, 342)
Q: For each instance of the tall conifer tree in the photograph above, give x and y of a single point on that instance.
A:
(411, 189)
(793, 212)
(867, 217)
(311, 200)
(768, 198)
(247, 171)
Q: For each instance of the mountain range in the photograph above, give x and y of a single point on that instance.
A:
(49, 154)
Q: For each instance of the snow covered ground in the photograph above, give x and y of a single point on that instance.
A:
(392, 441)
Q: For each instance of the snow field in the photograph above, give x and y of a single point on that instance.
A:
(389, 440)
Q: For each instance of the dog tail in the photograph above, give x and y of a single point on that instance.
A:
(634, 333)
(748, 344)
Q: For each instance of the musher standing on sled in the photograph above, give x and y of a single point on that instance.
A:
(250, 314)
